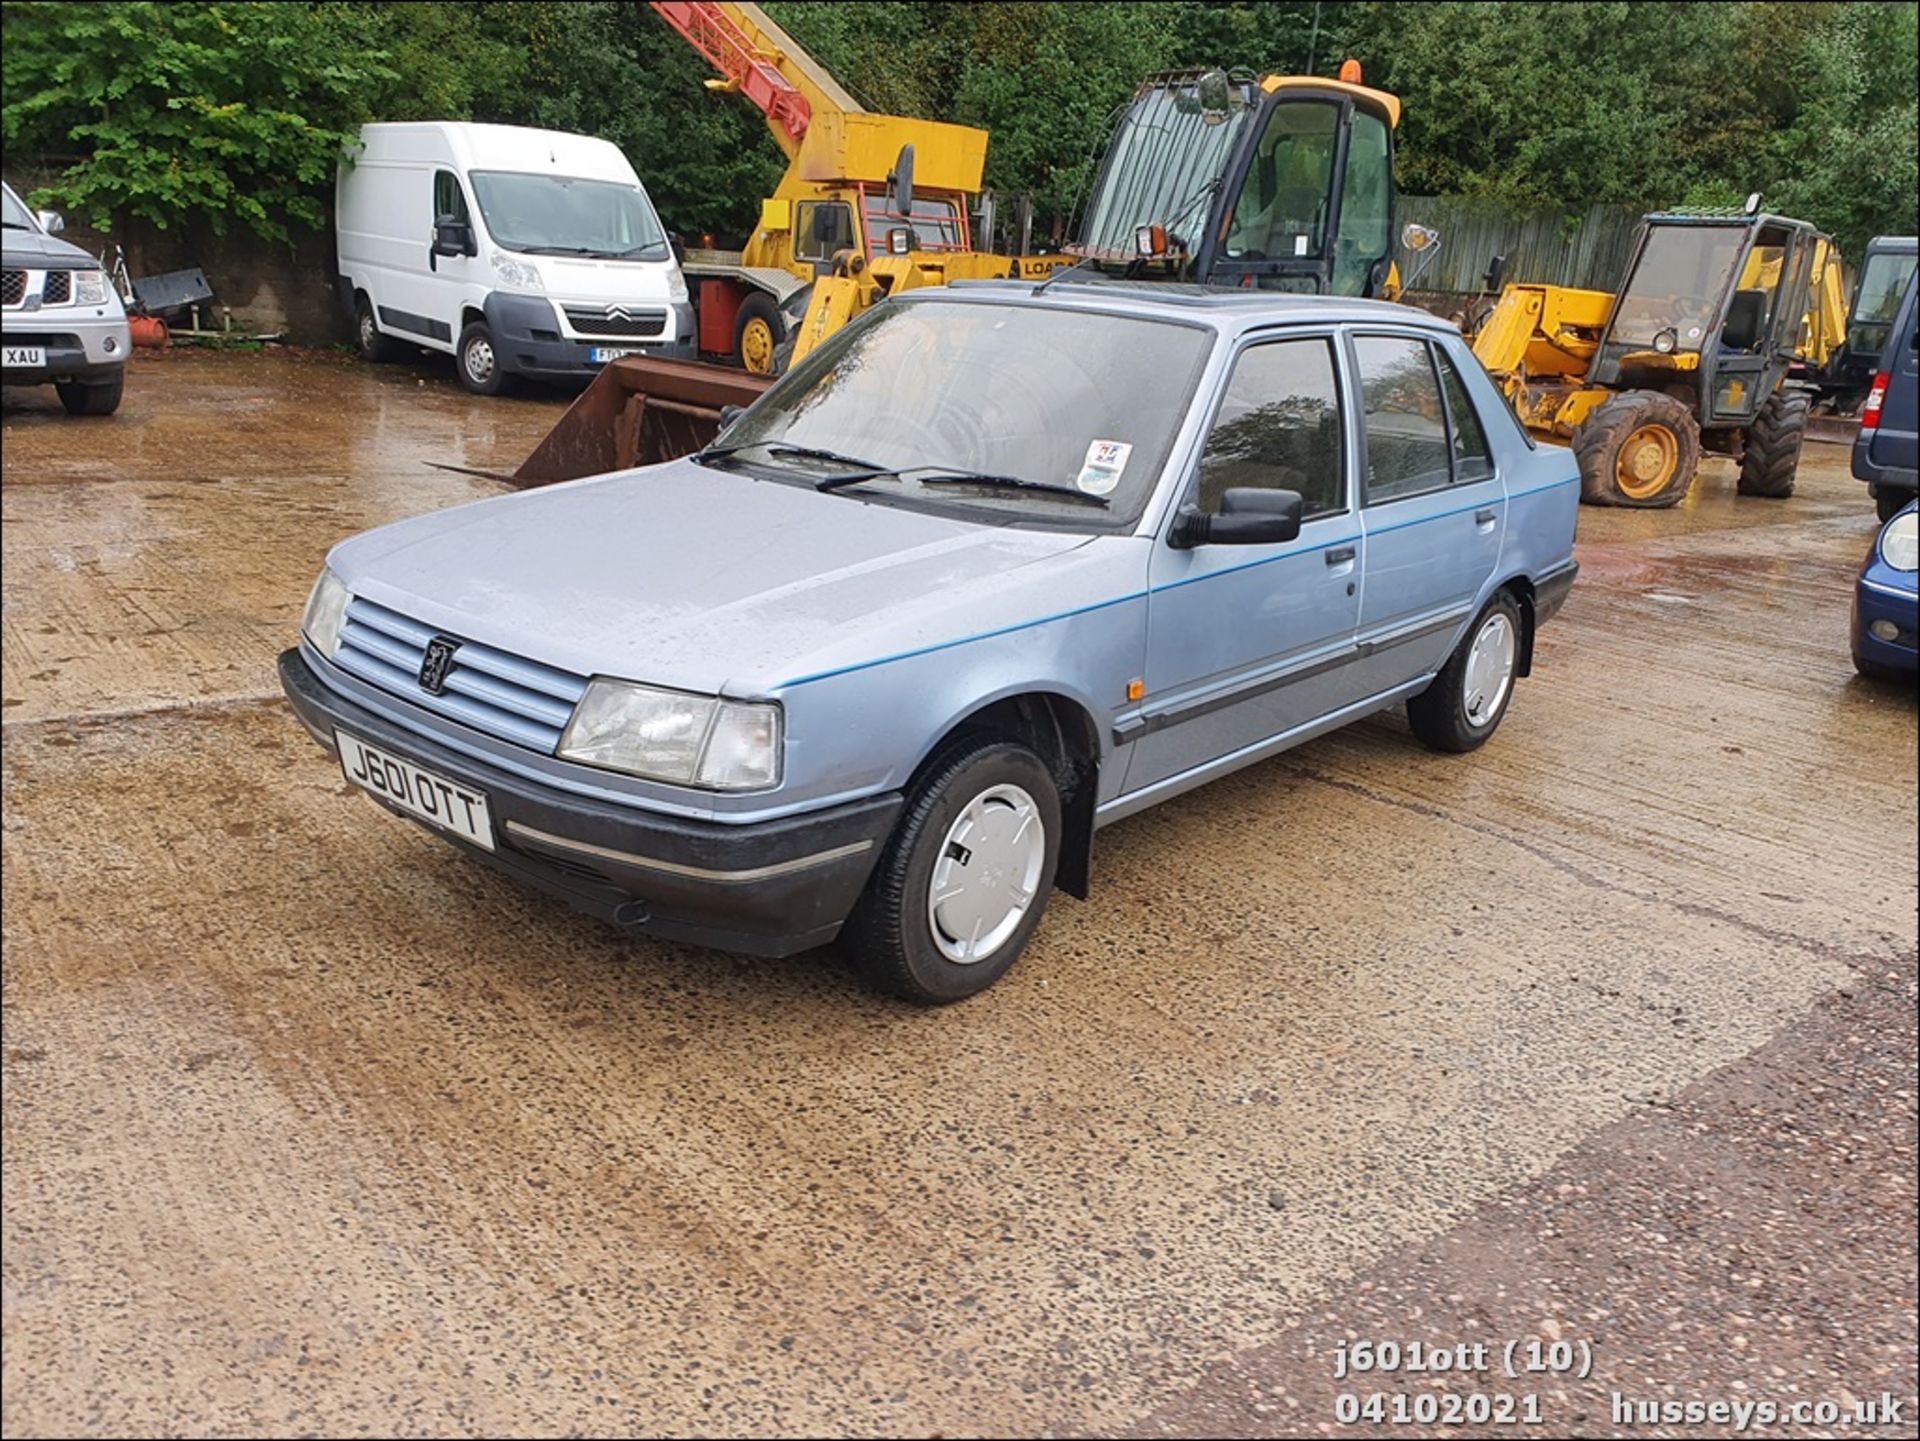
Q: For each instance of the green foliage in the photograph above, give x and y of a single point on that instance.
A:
(237, 111)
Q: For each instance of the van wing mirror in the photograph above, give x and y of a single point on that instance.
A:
(453, 237)
(1249, 515)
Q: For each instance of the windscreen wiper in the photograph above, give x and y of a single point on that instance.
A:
(867, 469)
(939, 475)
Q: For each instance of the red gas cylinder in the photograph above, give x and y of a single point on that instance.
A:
(148, 331)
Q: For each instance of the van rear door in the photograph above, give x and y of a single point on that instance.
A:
(1895, 446)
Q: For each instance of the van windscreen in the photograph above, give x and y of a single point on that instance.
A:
(559, 215)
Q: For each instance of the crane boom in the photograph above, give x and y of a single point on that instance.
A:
(762, 62)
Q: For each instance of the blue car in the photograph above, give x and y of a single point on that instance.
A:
(1886, 608)
(993, 567)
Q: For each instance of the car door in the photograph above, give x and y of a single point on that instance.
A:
(1433, 506)
(1249, 642)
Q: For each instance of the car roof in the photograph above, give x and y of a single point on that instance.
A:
(1225, 309)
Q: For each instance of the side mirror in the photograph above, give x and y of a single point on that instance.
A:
(51, 221)
(453, 237)
(731, 413)
(1248, 516)
(1496, 272)
(677, 244)
(902, 179)
(820, 225)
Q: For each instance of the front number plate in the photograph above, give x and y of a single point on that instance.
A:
(24, 357)
(434, 799)
(601, 354)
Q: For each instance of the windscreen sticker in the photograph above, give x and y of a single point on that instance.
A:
(1106, 460)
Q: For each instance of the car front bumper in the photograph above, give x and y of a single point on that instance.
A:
(770, 888)
(528, 340)
(1873, 602)
(80, 342)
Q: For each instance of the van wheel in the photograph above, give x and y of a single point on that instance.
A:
(757, 333)
(964, 878)
(375, 347)
(91, 397)
(1463, 706)
(478, 362)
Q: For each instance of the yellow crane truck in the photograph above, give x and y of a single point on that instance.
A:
(870, 204)
(1708, 344)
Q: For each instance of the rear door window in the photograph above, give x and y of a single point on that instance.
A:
(1471, 458)
(1405, 419)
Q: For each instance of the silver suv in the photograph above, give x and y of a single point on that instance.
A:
(63, 322)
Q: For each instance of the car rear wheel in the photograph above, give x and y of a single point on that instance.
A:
(1467, 699)
(478, 361)
(964, 878)
(1889, 503)
(91, 397)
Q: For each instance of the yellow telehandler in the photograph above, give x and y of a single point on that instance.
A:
(1710, 343)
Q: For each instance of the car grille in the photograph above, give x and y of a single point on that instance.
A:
(57, 287)
(634, 325)
(505, 696)
(13, 287)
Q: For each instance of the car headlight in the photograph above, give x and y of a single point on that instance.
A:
(89, 287)
(326, 614)
(517, 274)
(1900, 542)
(676, 285)
(664, 735)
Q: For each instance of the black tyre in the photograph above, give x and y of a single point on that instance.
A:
(757, 332)
(91, 397)
(1639, 449)
(1889, 503)
(1772, 454)
(478, 362)
(1463, 706)
(964, 878)
(375, 346)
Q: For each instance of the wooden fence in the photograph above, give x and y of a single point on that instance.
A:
(1588, 248)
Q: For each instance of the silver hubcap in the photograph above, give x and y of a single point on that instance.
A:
(987, 874)
(1489, 670)
(479, 361)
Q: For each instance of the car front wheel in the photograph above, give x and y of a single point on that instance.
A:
(965, 876)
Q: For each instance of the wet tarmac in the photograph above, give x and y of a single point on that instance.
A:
(312, 1127)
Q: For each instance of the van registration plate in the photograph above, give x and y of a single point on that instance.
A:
(601, 354)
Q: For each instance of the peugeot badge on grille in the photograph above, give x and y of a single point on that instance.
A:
(436, 663)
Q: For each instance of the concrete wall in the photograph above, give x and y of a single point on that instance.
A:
(270, 288)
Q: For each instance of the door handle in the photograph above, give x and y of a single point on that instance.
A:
(1483, 517)
(1340, 555)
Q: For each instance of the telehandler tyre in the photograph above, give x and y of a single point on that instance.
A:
(1772, 453)
(1640, 449)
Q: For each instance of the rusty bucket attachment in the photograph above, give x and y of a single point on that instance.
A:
(639, 411)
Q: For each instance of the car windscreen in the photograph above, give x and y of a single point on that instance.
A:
(1046, 395)
(1678, 284)
(13, 212)
(560, 215)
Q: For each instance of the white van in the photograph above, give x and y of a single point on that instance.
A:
(520, 252)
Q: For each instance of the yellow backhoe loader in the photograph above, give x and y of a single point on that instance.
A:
(1709, 343)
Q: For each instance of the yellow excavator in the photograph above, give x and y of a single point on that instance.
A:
(1712, 342)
